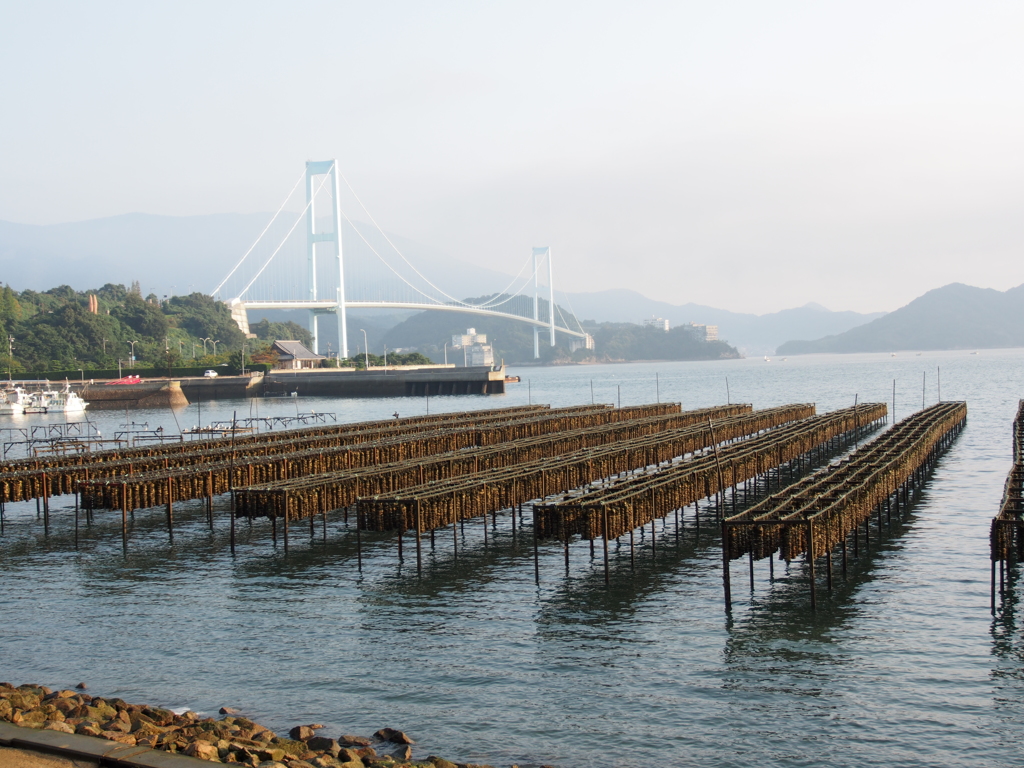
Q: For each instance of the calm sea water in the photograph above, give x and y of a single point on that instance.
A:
(902, 664)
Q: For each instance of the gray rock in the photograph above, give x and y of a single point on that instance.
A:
(323, 744)
(394, 736)
(403, 753)
(301, 733)
(347, 740)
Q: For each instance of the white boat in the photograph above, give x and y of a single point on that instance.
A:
(13, 401)
(51, 401)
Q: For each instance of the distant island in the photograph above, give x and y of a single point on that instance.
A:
(512, 341)
(956, 316)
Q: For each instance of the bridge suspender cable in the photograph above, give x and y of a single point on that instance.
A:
(402, 256)
(256, 242)
(298, 220)
(397, 274)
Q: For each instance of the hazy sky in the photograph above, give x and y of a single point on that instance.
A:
(747, 155)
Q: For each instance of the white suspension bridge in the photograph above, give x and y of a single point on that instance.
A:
(272, 275)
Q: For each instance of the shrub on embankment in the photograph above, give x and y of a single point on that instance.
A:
(145, 373)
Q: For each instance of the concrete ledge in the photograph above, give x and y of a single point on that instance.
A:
(105, 752)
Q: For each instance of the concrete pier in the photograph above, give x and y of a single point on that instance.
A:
(323, 382)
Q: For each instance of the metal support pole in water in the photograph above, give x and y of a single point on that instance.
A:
(592, 401)
(286, 522)
(46, 505)
(604, 542)
(565, 533)
(124, 518)
(810, 562)
(993, 586)
(657, 388)
(419, 532)
(359, 542)
(536, 552)
(618, 389)
(170, 511)
(209, 499)
(726, 583)
(77, 488)
(728, 397)
(654, 533)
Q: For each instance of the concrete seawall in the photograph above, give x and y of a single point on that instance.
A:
(393, 383)
(169, 393)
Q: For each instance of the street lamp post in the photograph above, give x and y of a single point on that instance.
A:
(214, 342)
(243, 358)
(366, 347)
(133, 343)
(193, 350)
(10, 355)
(180, 345)
(446, 353)
(204, 344)
(385, 359)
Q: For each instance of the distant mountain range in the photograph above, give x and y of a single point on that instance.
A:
(179, 254)
(956, 316)
(751, 334)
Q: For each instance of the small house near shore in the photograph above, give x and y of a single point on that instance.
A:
(292, 355)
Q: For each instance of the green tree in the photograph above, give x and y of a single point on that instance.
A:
(289, 331)
(10, 309)
(146, 319)
(203, 316)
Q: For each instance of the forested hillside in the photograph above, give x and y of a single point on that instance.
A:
(54, 330)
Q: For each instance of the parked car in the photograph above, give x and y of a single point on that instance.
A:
(210, 374)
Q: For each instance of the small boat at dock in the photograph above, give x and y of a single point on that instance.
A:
(13, 401)
(52, 401)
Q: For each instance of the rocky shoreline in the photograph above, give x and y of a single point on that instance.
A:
(232, 739)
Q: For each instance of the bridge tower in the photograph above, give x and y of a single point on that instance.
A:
(319, 168)
(544, 253)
